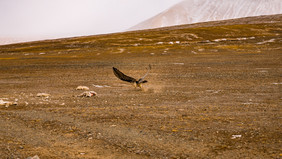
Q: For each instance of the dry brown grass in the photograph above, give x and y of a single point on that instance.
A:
(220, 79)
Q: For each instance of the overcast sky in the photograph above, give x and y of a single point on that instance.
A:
(65, 18)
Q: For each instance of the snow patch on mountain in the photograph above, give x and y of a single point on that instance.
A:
(193, 11)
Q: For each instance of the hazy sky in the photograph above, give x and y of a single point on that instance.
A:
(64, 18)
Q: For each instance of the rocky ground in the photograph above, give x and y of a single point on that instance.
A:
(214, 91)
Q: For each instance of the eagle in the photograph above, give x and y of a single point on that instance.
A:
(137, 83)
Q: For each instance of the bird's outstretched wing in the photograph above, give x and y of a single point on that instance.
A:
(122, 76)
(141, 80)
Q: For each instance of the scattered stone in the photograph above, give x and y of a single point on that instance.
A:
(100, 86)
(160, 43)
(236, 136)
(46, 95)
(82, 88)
(34, 157)
(267, 41)
(194, 52)
(88, 94)
(219, 40)
(7, 103)
(244, 38)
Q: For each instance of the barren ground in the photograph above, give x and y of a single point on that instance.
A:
(214, 91)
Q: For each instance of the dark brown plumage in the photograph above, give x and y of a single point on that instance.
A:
(126, 78)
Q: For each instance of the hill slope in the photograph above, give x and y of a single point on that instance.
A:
(193, 11)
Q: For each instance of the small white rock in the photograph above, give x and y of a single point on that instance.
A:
(236, 136)
(88, 94)
(160, 43)
(34, 157)
(43, 95)
(7, 103)
(100, 86)
(82, 88)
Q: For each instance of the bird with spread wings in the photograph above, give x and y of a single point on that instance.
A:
(137, 83)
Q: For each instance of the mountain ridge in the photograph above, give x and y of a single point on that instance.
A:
(191, 11)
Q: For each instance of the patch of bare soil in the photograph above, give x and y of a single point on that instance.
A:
(213, 92)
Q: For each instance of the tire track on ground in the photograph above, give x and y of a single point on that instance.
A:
(52, 142)
(135, 141)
